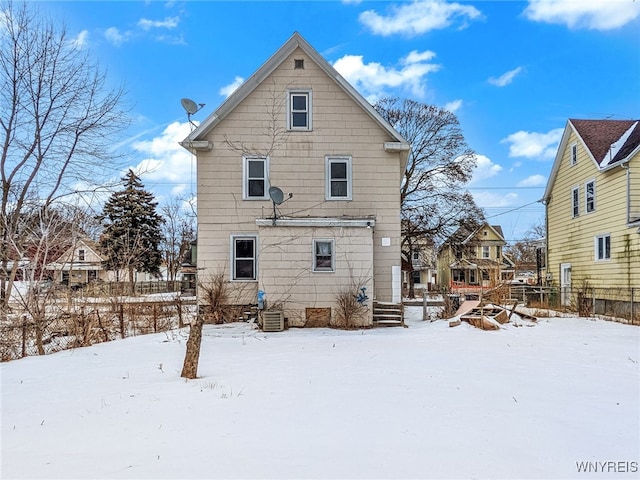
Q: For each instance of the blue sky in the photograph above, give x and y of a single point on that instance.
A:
(512, 71)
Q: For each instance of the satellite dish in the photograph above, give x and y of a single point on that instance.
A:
(277, 196)
(189, 105)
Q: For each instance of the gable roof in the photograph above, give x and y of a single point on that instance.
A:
(294, 42)
(608, 143)
(464, 234)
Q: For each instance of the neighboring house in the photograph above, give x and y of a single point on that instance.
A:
(78, 265)
(298, 190)
(471, 260)
(593, 207)
(421, 270)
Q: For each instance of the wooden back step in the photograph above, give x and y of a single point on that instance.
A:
(388, 314)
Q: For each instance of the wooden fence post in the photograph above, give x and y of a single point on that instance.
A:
(121, 317)
(24, 336)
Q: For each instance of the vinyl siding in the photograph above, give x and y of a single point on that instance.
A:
(572, 240)
(297, 166)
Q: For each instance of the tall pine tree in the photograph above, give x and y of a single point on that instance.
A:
(131, 235)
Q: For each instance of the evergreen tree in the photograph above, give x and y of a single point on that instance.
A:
(131, 237)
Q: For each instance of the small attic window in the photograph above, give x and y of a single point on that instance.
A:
(298, 64)
(485, 233)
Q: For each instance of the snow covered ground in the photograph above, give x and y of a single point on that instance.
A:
(428, 401)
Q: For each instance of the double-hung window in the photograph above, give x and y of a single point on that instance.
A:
(338, 178)
(255, 178)
(323, 255)
(575, 202)
(81, 255)
(574, 154)
(590, 196)
(603, 247)
(299, 110)
(244, 257)
(485, 251)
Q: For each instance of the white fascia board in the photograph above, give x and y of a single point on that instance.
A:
(316, 222)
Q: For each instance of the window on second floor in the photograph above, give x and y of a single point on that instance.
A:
(338, 178)
(603, 247)
(485, 251)
(590, 196)
(299, 110)
(575, 202)
(81, 255)
(255, 178)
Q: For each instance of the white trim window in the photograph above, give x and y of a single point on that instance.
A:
(575, 201)
(255, 178)
(81, 255)
(324, 255)
(244, 257)
(603, 247)
(338, 178)
(486, 251)
(574, 154)
(299, 110)
(590, 196)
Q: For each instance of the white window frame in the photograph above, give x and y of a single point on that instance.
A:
(254, 258)
(602, 247)
(245, 177)
(318, 269)
(329, 160)
(574, 154)
(81, 254)
(575, 202)
(587, 209)
(486, 251)
(309, 110)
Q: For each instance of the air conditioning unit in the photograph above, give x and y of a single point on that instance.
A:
(272, 321)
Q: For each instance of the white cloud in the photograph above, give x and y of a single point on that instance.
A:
(590, 14)
(113, 35)
(485, 169)
(232, 87)
(80, 41)
(453, 106)
(506, 78)
(371, 79)
(164, 159)
(418, 17)
(486, 199)
(533, 144)
(169, 22)
(533, 181)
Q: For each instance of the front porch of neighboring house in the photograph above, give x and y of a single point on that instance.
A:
(474, 276)
(70, 274)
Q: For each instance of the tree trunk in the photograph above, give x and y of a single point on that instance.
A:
(190, 367)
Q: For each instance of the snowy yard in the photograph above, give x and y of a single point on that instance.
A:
(428, 401)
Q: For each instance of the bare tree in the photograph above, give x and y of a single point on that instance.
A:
(178, 235)
(434, 202)
(57, 121)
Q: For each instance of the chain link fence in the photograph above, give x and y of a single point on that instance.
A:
(619, 304)
(82, 324)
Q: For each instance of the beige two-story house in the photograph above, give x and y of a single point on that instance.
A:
(471, 260)
(298, 190)
(592, 203)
